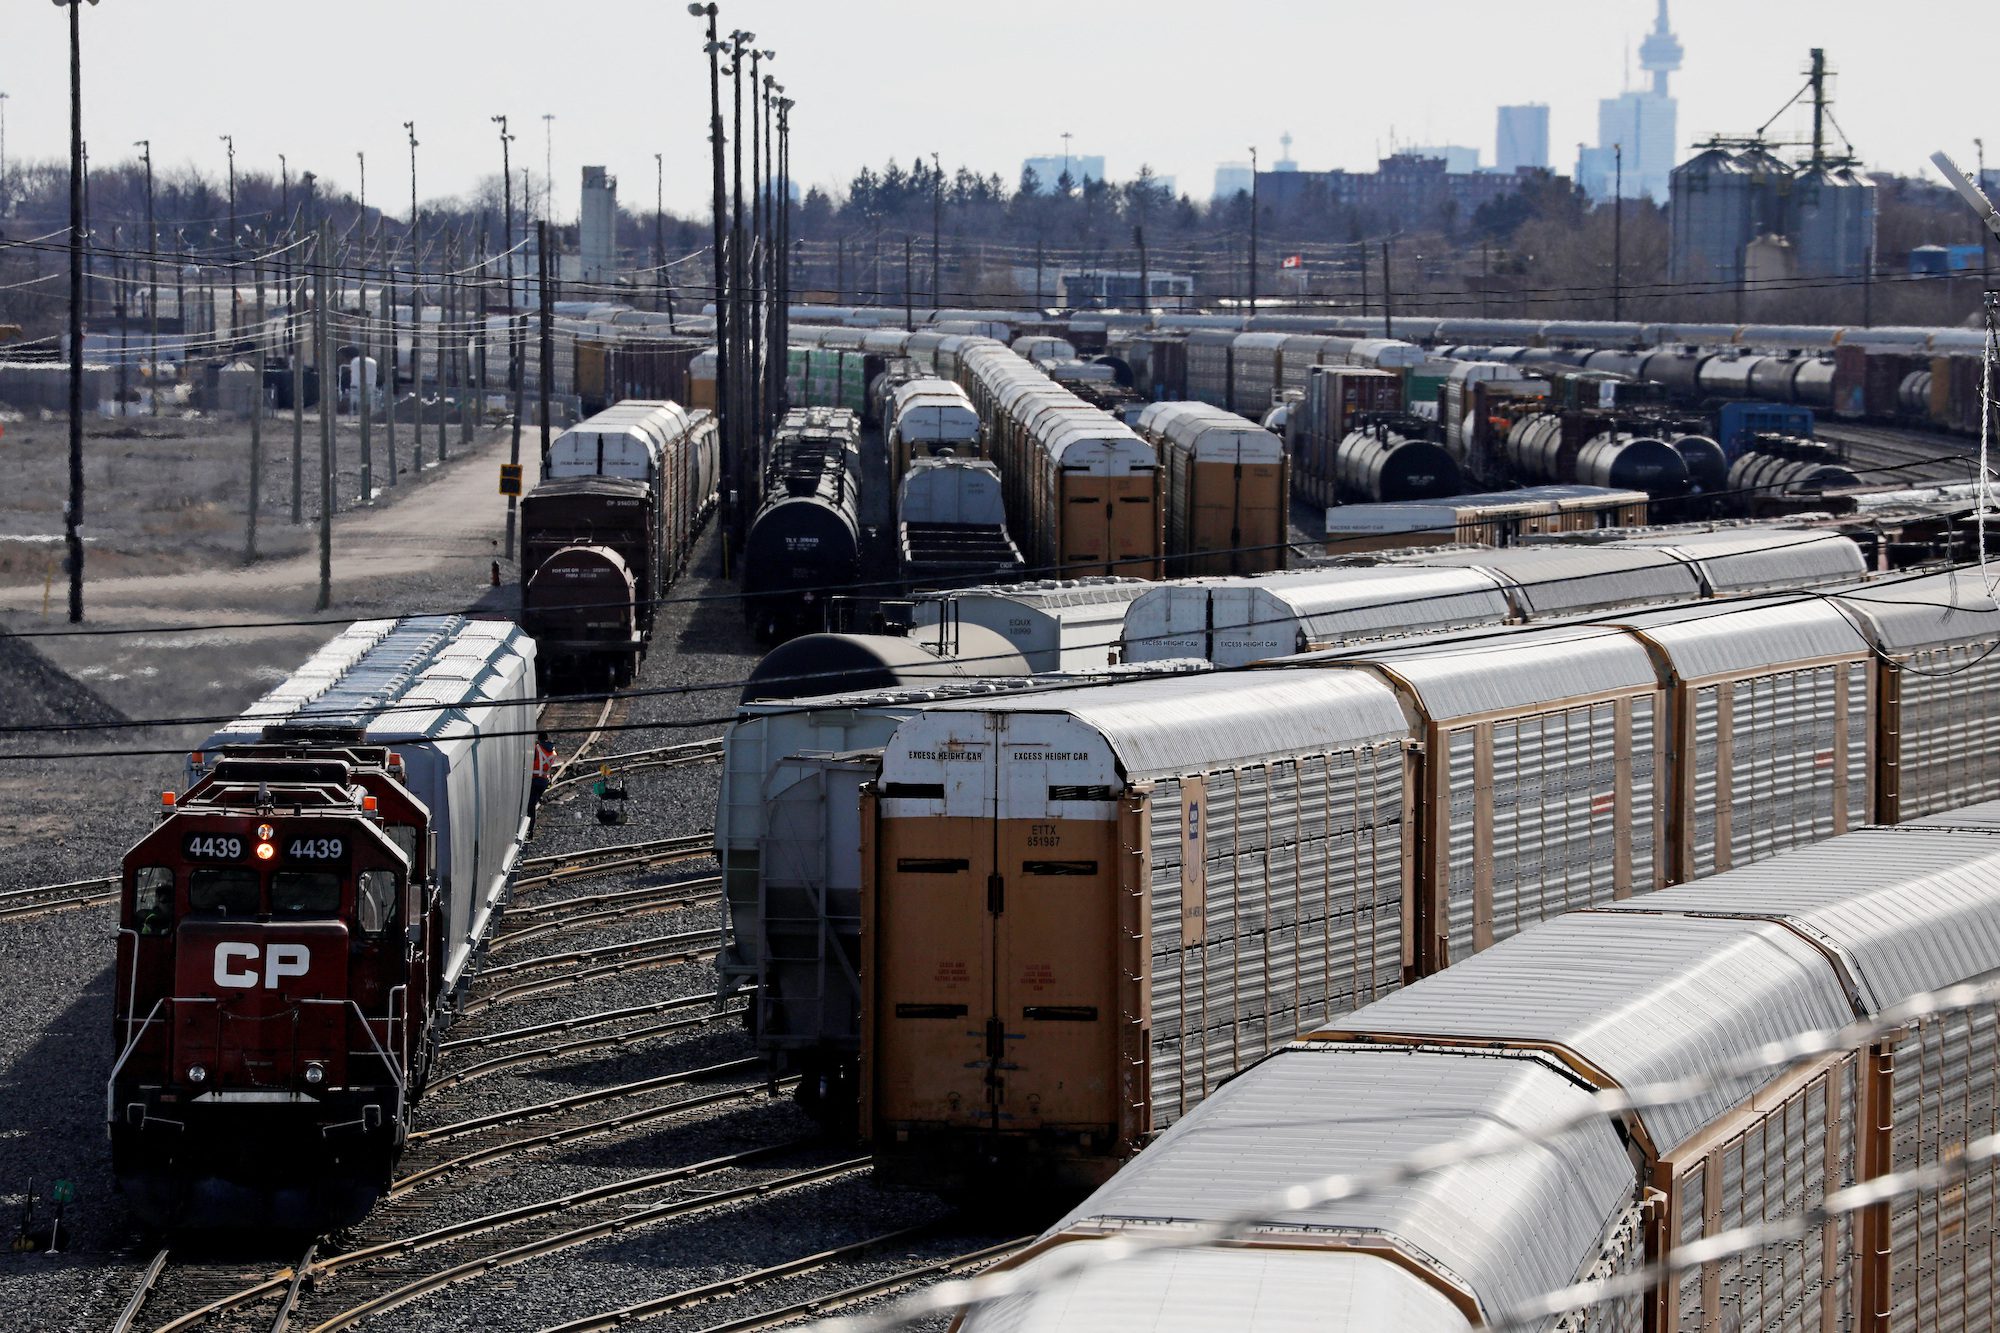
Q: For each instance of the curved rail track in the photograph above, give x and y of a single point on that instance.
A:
(817, 1305)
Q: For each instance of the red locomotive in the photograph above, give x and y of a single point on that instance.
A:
(294, 931)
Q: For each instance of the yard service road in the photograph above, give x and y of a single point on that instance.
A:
(450, 525)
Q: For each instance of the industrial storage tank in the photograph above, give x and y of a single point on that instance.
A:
(1833, 221)
(1707, 465)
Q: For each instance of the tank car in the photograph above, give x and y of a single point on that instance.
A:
(294, 930)
(804, 541)
(1388, 461)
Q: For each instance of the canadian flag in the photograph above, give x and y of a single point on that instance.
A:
(1292, 261)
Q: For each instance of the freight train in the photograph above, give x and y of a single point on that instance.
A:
(610, 524)
(1082, 911)
(804, 542)
(951, 525)
(1491, 1178)
(295, 929)
(1170, 627)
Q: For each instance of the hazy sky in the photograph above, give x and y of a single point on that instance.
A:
(1179, 85)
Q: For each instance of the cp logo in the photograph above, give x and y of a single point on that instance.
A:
(280, 961)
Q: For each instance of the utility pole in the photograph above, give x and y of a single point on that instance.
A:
(256, 426)
(73, 515)
(394, 352)
(549, 166)
(937, 229)
(1361, 248)
(660, 236)
(1253, 229)
(3, 155)
(416, 315)
(1485, 274)
(235, 300)
(1868, 290)
(145, 147)
(1145, 289)
(517, 338)
(909, 313)
(548, 333)
(507, 202)
(785, 105)
(295, 326)
(322, 252)
(442, 355)
(1618, 231)
(1388, 297)
(731, 448)
(753, 384)
(751, 444)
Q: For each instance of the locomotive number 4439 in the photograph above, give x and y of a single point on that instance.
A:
(316, 849)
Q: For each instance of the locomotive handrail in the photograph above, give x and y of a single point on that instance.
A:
(389, 1062)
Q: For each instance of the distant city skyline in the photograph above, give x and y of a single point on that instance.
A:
(184, 73)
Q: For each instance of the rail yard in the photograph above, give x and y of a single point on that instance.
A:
(564, 780)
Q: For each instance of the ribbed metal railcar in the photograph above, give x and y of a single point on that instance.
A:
(1495, 518)
(1233, 622)
(1667, 989)
(1083, 487)
(1555, 581)
(1056, 624)
(951, 524)
(926, 417)
(1228, 489)
(1939, 686)
(1005, 849)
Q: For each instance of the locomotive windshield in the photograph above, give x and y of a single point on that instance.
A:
(297, 893)
(225, 891)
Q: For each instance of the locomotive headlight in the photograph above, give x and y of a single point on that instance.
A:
(264, 832)
(197, 1074)
(315, 1073)
(265, 851)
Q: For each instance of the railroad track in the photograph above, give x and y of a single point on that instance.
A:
(46, 899)
(568, 715)
(572, 914)
(1913, 458)
(554, 869)
(635, 761)
(605, 1041)
(564, 1223)
(971, 1260)
(519, 1115)
(217, 1290)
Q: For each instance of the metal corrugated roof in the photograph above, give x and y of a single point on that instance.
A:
(1984, 815)
(1710, 638)
(1912, 908)
(1911, 615)
(1246, 1291)
(1480, 671)
(1309, 1112)
(1553, 582)
(1338, 604)
(1755, 559)
(1190, 724)
(1644, 1000)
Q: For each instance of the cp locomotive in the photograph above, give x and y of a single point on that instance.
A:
(293, 931)
(604, 533)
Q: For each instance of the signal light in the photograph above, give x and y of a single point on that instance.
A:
(166, 798)
(315, 1073)
(368, 803)
(265, 851)
(265, 830)
(197, 1074)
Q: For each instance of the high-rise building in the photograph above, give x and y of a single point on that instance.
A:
(1050, 168)
(1641, 123)
(1522, 139)
(597, 225)
(1232, 179)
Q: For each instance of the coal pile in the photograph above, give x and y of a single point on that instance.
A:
(34, 692)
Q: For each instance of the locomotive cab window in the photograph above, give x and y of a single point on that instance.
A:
(153, 900)
(226, 891)
(405, 837)
(375, 894)
(305, 893)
